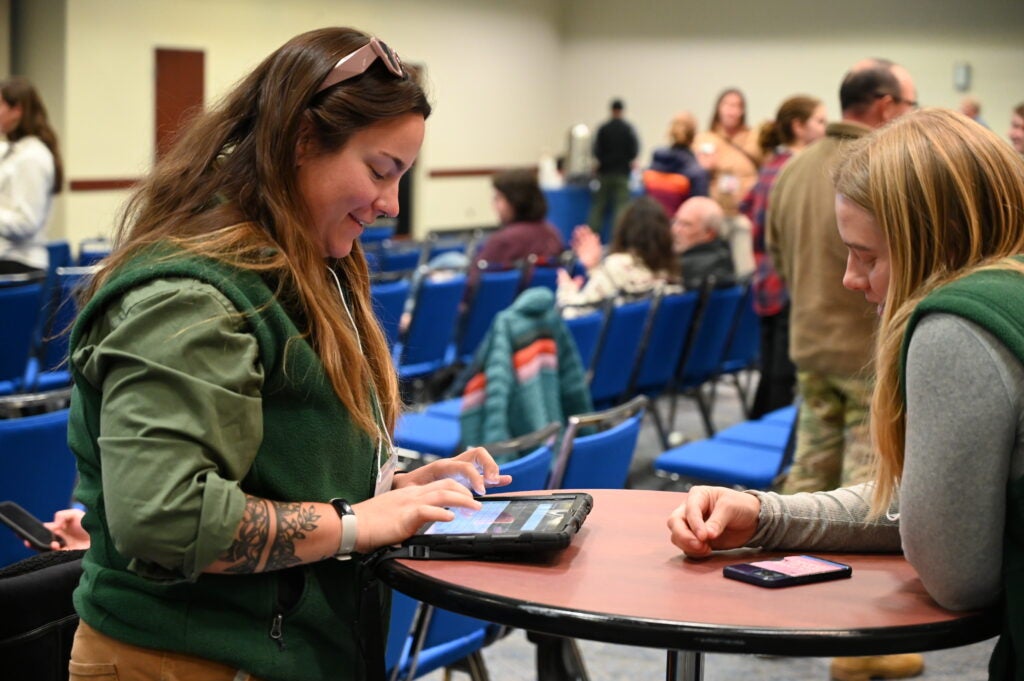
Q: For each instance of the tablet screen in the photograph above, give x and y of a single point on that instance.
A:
(504, 516)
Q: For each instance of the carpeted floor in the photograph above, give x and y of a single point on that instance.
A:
(512, 658)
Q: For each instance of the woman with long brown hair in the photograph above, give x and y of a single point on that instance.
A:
(931, 209)
(234, 395)
(31, 173)
(639, 259)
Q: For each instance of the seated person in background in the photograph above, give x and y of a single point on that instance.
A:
(522, 211)
(929, 209)
(640, 260)
(696, 242)
(677, 160)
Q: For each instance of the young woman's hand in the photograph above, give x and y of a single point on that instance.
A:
(587, 246)
(394, 516)
(67, 525)
(474, 468)
(713, 518)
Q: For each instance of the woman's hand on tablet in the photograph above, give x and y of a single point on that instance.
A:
(474, 468)
(394, 516)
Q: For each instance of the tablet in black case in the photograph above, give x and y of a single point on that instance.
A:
(509, 525)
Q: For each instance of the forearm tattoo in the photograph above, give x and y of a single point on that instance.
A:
(293, 522)
(253, 533)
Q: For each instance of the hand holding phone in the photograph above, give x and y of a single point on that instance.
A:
(788, 571)
(27, 526)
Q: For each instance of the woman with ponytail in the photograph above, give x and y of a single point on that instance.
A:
(799, 122)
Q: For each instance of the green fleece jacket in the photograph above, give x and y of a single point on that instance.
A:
(528, 373)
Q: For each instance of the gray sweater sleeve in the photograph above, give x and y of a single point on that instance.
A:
(963, 419)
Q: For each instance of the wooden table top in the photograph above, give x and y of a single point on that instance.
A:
(622, 581)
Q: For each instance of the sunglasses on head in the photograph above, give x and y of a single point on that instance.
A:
(356, 63)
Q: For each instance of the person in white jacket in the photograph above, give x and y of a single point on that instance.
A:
(30, 175)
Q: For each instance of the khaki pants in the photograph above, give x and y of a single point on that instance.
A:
(833, 446)
(97, 657)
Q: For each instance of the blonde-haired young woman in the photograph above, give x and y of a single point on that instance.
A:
(234, 395)
(931, 208)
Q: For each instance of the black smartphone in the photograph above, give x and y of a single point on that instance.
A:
(27, 526)
(788, 571)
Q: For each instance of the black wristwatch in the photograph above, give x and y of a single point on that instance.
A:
(349, 530)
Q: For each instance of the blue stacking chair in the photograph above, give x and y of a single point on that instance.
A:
(21, 300)
(671, 321)
(494, 291)
(376, 234)
(424, 349)
(427, 433)
(601, 459)
(754, 464)
(617, 351)
(50, 371)
(586, 331)
(530, 471)
(389, 299)
(38, 471)
(91, 251)
(743, 347)
(705, 348)
(398, 256)
(400, 633)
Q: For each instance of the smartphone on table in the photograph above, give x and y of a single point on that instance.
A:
(27, 526)
(788, 571)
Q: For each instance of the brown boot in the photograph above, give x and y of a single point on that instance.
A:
(877, 667)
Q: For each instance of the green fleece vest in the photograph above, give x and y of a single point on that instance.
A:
(994, 300)
(311, 451)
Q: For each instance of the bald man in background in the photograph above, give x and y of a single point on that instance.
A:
(832, 329)
(697, 241)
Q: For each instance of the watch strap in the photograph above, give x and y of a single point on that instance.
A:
(349, 528)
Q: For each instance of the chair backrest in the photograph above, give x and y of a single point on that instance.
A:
(432, 326)
(62, 311)
(530, 471)
(19, 309)
(743, 345)
(599, 460)
(397, 256)
(493, 292)
(38, 471)
(91, 251)
(40, 622)
(539, 271)
(617, 351)
(389, 299)
(586, 331)
(400, 630)
(706, 347)
(671, 321)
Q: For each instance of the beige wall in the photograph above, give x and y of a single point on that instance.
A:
(682, 54)
(508, 77)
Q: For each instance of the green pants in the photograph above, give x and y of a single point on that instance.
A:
(833, 446)
(611, 196)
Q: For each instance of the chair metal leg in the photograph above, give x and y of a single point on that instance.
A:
(659, 426)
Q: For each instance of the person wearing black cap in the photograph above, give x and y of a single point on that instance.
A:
(615, 147)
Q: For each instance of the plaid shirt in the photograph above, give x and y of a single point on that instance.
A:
(770, 294)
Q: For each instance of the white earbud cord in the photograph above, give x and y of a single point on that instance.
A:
(382, 431)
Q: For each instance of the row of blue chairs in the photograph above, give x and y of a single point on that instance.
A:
(446, 323)
(666, 344)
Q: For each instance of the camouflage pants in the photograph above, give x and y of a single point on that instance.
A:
(833, 446)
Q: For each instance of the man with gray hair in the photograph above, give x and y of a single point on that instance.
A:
(697, 241)
(832, 329)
